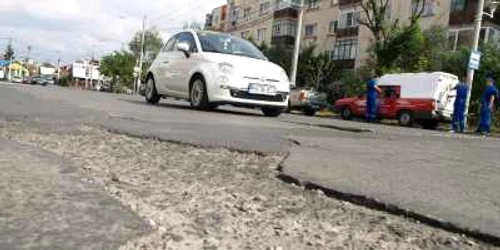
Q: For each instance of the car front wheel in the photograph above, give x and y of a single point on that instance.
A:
(151, 94)
(198, 95)
(272, 112)
(346, 113)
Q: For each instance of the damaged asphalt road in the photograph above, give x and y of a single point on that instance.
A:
(76, 125)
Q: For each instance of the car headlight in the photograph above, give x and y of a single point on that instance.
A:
(226, 68)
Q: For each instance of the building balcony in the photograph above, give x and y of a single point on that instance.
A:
(286, 13)
(347, 2)
(467, 15)
(345, 63)
(347, 32)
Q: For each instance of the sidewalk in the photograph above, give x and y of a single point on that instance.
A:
(44, 205)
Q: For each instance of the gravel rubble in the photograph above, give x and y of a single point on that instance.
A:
(198, 198)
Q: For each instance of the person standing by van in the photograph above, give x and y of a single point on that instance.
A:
(459, 106)
(487, 103)
(371, 100)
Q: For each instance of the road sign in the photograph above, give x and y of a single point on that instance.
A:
(475, 60)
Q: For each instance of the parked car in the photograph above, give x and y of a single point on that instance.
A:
(211, 69)
(43, 80)
(17, 79)
(425, 98)
(306, 100)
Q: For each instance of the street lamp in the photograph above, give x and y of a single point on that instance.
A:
(296, 49)
(492, 6)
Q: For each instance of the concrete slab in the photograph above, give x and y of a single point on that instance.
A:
(438, 180)
(44, 205)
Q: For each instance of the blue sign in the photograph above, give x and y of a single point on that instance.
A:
(475, 60)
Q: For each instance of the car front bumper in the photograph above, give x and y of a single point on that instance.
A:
(241, 97)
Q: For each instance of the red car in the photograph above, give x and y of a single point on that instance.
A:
(425, 98)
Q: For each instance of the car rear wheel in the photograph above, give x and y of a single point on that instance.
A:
(431, 125)
(151, 94)
(346, 113)
(309, 111)
(405, 118)
(198, 95)
(272, 112)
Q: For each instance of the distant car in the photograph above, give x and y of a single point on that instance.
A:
(307, 101)
(43, 80)
(211, 69)
(17, 79)
(425, 98)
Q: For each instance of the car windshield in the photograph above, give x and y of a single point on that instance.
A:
(227, 44)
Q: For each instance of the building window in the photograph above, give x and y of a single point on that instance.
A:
(457, 5)
(311, 30)
(429, 7)
(264, 7)
(349, 19)
(284, 28)
(246, 14)
(261, 34)
(333, 27)
(345, 50)
(312, 4)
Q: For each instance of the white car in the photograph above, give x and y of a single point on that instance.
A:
(211, 69)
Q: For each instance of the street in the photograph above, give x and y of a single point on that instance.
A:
(233, 179)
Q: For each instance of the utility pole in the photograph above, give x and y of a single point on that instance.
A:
(296, 50)
(27, 60)
(58, 70)
(91, 71)
(475, 44)
(141, 60)
(10, 60)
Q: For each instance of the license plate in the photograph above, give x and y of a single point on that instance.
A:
(261, 89)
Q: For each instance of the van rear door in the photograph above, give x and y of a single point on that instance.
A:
(446, 95)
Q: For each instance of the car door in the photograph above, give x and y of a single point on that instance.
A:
(182, 64)
(163, 70)
(387, 100)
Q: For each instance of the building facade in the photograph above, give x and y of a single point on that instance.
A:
(333, 26)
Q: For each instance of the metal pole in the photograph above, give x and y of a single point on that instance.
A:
(141, 60)
(296, 50)
(475, 44)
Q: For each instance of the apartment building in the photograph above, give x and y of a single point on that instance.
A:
(332, 25)
(217, 20)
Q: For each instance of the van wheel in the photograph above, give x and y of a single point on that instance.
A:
(198, 94)
(405, 118)
(152, 96)
(431, 125)
(346, 113)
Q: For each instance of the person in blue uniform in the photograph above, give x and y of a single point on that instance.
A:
(487, 103)
(462, 91)
(372, 91)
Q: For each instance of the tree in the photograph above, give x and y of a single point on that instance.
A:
(9, 52)
(390, 39)
(119, 66)
(152, 46)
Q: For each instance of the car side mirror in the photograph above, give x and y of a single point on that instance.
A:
(184, 47)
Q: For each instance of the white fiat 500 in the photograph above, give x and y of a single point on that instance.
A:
(211, 69)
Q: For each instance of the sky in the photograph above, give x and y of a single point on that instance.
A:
(74, 29)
